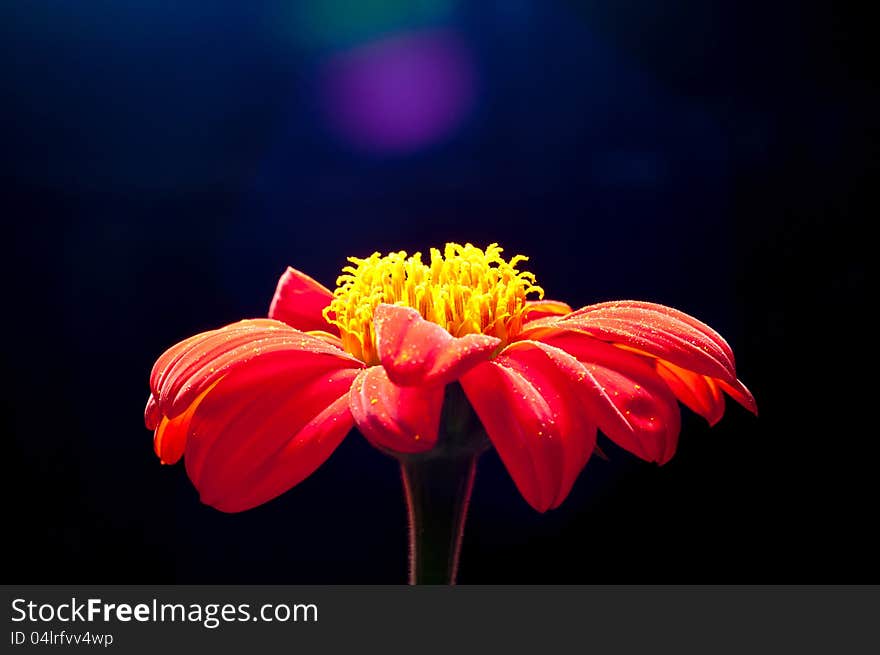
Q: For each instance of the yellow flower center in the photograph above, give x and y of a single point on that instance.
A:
(465, 290)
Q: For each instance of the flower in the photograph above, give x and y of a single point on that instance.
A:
(256, 406)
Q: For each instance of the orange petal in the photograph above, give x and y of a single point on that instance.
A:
(700, 393)
(169, 439)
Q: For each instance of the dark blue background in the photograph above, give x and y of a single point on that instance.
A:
(163, 163)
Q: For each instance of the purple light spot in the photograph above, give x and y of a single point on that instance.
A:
(401, 93)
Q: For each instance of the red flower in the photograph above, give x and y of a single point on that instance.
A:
(258, 405)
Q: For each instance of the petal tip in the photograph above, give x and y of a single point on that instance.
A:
(300, 301)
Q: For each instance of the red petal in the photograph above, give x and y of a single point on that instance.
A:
(536, 309)
(661, 317)
(299, 301)
(700, 393)
(653, 329)
(332, 339)
(263, 428)
(572, 423)
(163, 365)
(657, 331)
(300, 456)
(738, 391)
(521, 425)
(152, 415)
(188, 368)
(414, 351)
(400, 419)
(629, 401)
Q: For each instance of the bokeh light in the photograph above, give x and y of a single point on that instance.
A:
(400, 93)
(343, 23)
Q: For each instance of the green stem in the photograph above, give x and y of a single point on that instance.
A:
(437, 495)
(438, 485)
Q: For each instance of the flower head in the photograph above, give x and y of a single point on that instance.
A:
(256, 406)
(464, 290)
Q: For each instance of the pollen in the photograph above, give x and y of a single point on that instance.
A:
(464, 289)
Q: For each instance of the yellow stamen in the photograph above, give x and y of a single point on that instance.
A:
(465, 290)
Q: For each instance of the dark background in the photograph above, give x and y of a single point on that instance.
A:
(163, 162)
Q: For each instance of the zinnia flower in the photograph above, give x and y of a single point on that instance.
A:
(258, 405)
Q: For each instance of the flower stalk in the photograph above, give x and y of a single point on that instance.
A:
(437, 494)
(437, 487)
